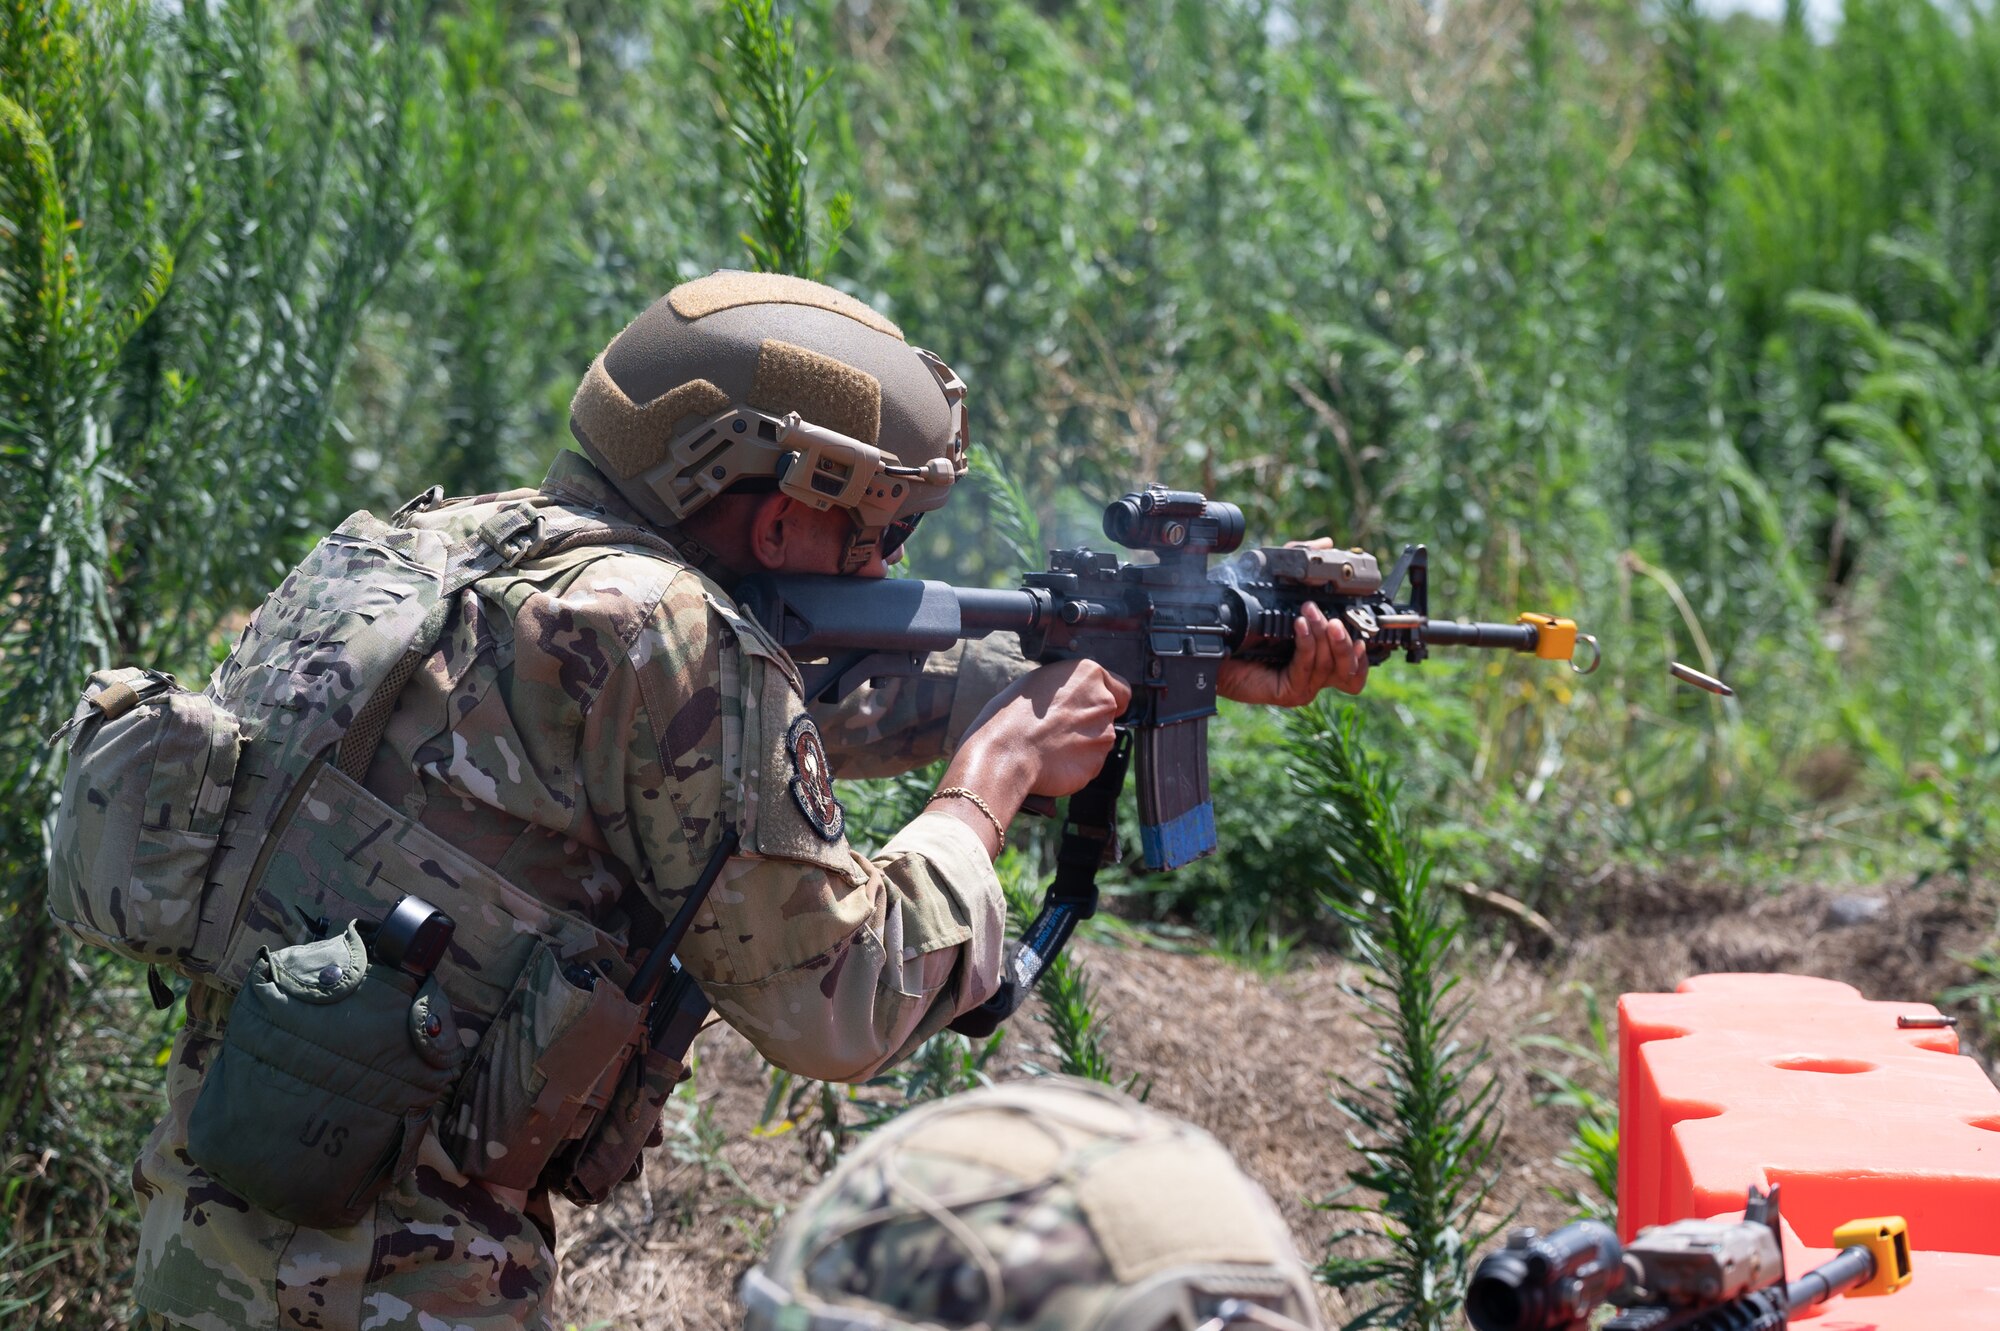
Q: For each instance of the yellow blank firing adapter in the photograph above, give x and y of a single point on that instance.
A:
(1556, 639)
(1888, 1238)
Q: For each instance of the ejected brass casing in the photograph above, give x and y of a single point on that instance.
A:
(1689, 675)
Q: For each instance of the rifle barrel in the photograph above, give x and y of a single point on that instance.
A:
(1451, 633)
(1843, 1273)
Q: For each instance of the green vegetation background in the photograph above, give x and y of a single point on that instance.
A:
(1684, 328)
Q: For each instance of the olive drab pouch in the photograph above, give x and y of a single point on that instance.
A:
(151, 771)
(325, 1081)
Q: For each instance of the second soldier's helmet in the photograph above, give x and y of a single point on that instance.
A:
(778, 382)
(1049, 1205)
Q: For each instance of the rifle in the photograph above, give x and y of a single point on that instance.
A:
(1692, 1275)
(1164, 626)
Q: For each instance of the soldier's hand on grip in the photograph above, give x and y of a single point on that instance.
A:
(1057, 721)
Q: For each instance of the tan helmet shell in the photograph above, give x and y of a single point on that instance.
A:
(734, 375)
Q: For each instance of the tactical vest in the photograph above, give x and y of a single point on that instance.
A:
(226, 835)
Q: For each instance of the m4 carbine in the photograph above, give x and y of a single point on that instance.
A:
(1692, 1275)
(1165, 627)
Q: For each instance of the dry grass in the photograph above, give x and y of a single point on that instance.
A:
(1249, 1057)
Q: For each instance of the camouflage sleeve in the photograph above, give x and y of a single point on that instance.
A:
(904, 723)
(832, 964)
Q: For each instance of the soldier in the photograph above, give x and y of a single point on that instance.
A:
(1052, 1205)
(561, 765)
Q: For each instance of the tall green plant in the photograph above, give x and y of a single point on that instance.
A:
(194, 212)
(294, 187)
(767, 92)
(1010, 512)
(492, 237)
(943, 1065)
(1593, 1140)
(71, 300)
(1427, 1124)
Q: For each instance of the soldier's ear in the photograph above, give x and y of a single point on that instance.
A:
(774, 527)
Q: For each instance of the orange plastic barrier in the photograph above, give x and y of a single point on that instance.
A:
(1741, 1079)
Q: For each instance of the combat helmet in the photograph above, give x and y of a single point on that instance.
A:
(770, 380)
(1047, 1205)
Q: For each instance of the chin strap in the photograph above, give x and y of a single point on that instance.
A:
(1089, 841)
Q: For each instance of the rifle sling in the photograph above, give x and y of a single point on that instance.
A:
(1090, 833)
(659, 964)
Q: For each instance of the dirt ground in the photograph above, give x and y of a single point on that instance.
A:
(1250, 1058)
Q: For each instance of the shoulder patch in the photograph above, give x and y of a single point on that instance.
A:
(812, 780)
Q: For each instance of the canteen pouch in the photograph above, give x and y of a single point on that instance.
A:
(151, 769)
(545, 1068)
(325, 1081)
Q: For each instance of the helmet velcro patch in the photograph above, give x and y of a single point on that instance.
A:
(1002, 1140)
(1135, 1199)
(830, 393)
(631, 437)
(727, 289)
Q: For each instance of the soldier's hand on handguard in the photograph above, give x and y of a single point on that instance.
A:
(1046, 734)
(1327, 656)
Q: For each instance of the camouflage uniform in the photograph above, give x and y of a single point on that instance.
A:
(590, 723)
(1052, 1205)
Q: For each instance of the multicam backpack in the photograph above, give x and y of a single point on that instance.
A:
(208, 833)
(175, 802)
